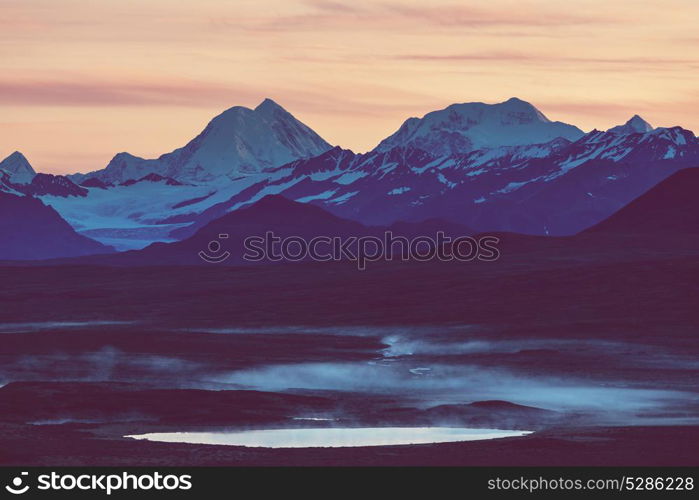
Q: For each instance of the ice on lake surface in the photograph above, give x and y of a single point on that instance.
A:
(332, 437)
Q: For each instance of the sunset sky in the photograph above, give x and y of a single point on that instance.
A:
(82, 80)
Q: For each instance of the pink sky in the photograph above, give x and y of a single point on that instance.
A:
(83, 80)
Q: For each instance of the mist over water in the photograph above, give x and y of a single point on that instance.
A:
(107, 364)
(426, 365)
(451, 384)
(460, 364)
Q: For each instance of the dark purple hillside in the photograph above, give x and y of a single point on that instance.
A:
(430, 227)
(670, 207)
(30, 230)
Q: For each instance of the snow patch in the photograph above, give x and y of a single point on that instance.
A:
(320, 196)
(350, 177)
(343, 198)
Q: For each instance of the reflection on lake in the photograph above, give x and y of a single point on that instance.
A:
(332, 437)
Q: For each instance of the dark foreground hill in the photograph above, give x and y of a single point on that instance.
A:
(670, 207)
(30, 230)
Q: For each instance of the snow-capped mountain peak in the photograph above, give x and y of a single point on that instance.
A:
(636, 125)
(18, 168)
(466, 127)
(524, 110)
(238, 141)
(268, 106)
(243, 140)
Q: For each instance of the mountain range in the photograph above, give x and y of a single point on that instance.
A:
(488, 167)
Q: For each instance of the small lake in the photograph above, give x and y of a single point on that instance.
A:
(332, 437)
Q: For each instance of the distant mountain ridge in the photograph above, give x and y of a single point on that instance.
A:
(39, 184)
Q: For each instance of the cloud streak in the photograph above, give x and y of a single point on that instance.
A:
(44, 92)
(324, 15)
(464, 16)
(532, 57)
(600, 64)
